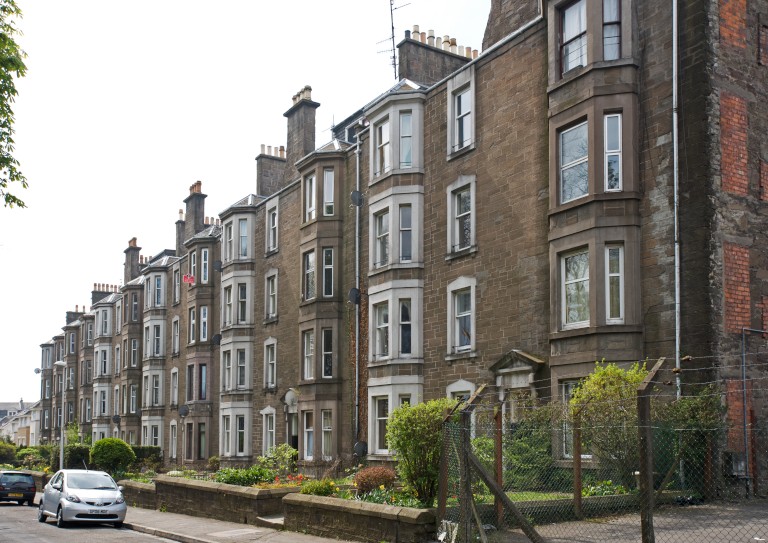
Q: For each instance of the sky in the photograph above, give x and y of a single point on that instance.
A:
(127, 103)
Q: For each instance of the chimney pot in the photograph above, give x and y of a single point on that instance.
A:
(132, 242)
(461, 50)
(430, 33)
(415, 29)
(282, 151)
(439, 42)
(474, 53)
(269, 149)
(431, 38)
(446, 43)
(181, 214)
(407, 34)
(76, 308)
(262, 148)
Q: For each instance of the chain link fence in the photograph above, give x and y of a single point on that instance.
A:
(664, 468)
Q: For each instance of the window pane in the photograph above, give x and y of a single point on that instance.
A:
(610, 10)
(576, 291)
(612, 126)
(612, 173)
(573, 144)
(405, 326)
(611, 42)
(574, 20)
(575, 182)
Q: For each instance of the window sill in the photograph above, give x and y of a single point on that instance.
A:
(271, 252)
(461, 152)
(472, 249)
(271, 320)
(270, 389)
(461, 355)
(602, 329)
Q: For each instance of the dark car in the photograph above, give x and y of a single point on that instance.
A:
(17, 487)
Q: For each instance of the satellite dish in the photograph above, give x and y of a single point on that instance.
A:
(357, 198)
(354, 296)
(217, 265)
(183, 411)
(116, 419)
(360, 449)
(217, 339)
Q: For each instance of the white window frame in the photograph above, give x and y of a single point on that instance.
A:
(326, 338)
(204, 323)
(582, 35)
(565, 324)
(204, 268)
(241, 369)
(619, 276)
(227, 306)
(611, 154)
(326, 445)
(193, 265)
(175, 336)
(383, 154)
(457, 286)
(406, 139)
(270, 363)
(461, 111)
(134, 352)
(405, 233)
(310, 198)
(269, 421)
(308, 354)
(226, 434)
(327, 272)
(226, 369)
(382, 229)
(173, 433)
(381, 338)
(242, 303)
(380, 424)
(329, 192)
(309, 269)
(174, 386)
(463, 183)
(308, 425)
(241, 429)
(176, 285)
(270, 292)
(228, 241)
(242, 239)
(272, 226)
(579, 162)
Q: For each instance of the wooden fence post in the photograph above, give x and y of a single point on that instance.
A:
(645, 435)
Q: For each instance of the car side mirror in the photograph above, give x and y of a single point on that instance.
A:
(120, 488)
(56, 486)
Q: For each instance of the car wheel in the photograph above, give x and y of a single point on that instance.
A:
(20, 502)
(31, 503)
(60, 518)
(40, 513)
(118, 525)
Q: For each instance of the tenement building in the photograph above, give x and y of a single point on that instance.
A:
(592, 185)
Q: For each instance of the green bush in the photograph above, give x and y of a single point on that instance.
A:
(214, 463)
(112, 455)
(244, 476)
(76, 455)
(603, 488)
(373, 477)
(148, 457)
(281, 459)
(320, 487)
(7, 452)
(415, 435)
(21, 454)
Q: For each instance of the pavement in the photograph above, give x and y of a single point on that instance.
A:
(189, 529)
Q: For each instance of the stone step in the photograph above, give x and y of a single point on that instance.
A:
(276, 522)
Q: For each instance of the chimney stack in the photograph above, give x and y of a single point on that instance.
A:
(195, 212)
(301, 130)
(132, 260)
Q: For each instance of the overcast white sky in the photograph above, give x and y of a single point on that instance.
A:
(126, 103)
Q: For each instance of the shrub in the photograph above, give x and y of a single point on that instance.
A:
(112, 455)
(214, 463)
(244, 477)
(320, 487)
(281, 459)
(148, 457)
(76, 455)
(7, 452)
(415, 434)
(373, 477)
(26, 451)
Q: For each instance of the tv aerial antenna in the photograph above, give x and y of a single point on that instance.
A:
(393, 50)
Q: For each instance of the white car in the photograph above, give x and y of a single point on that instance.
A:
(78, 495)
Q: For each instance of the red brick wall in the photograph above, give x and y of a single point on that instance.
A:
(733, 29)
(764, 180)
(735, 415)
(736, 267)
(733, 143)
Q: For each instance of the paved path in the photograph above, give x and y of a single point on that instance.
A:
(188, 529)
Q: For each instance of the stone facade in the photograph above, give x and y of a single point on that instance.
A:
(512, 220)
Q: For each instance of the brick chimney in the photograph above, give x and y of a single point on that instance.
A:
(270, 170)
(180, 231)
(131, 265)
(425, 59)
(301, 131)
(193, 222)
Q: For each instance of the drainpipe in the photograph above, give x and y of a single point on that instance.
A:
(357, 286)
(675, 168)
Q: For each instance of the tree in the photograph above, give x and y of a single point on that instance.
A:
(11, 65)
(605, 405)
(415, 434)
(112, 454)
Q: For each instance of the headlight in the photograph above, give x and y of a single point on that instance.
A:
(73, 498)
(120, 499)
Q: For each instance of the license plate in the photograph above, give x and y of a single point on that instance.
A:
(97, 511)
(15, 495)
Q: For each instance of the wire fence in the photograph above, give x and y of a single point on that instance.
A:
(661, 468)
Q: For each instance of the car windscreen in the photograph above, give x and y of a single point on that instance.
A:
(10, 478)
(91, 481)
